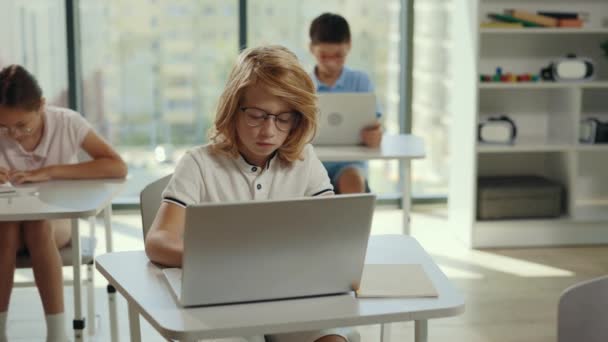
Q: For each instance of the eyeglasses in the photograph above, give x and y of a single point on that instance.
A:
(284, 122)
(21, 129)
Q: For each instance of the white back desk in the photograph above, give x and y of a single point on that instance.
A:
(403, 147)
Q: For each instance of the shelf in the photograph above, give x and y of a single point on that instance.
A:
(541, 2)
(594, 202)
(525, 221)
(591, 210)
(566, 30)
(525, 145)
(543, 85)
(559, 231)
(592, 147)
(594, 85)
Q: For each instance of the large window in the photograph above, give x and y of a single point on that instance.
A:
(153, 71)
(30, 36)
(431, 86)
(375, 49)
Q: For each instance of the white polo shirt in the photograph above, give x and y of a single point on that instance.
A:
(202, 176)
(62, 137)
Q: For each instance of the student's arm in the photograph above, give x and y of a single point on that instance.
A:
(371, 135)
(165, 239)
(318, 181)
(106, 163)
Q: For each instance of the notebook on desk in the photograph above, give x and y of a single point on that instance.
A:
(267, 250)
(395, 280)
(8, 190)
(342, 116)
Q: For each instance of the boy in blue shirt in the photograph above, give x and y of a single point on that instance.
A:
(330, 44)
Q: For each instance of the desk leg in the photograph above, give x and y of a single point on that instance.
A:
(421, 331)
(385, 332)
(107, 222)
(78, 322)
(406, 196)
(91, 284)
(134, 323)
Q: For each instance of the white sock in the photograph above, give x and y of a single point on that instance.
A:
(3, 317)
(55, 328)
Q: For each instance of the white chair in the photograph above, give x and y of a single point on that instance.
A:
(150, 200)
(582, 314)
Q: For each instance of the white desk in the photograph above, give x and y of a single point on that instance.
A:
(73, 200)
(141, 283)
(402, 147)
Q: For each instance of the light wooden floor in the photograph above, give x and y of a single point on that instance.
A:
(511, 295)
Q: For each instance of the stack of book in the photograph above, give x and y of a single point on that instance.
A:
(520, 18)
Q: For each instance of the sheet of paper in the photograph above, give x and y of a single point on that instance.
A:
(8, 190)
(395, 280)
(174, 278)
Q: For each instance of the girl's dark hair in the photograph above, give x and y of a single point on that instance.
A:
(19, 89)
(329, 28)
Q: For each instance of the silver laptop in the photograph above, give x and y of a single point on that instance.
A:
(342, 116)
(267, 250)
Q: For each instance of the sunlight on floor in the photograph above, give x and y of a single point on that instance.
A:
(430, 228)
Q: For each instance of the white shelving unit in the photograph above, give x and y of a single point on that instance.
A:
(547, 115)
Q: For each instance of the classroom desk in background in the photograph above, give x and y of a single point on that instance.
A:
(402, 147)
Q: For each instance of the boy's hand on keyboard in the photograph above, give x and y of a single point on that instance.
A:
(372, 135)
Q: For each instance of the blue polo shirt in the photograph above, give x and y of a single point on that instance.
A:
(350, 81)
